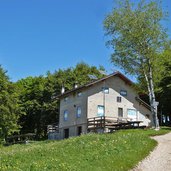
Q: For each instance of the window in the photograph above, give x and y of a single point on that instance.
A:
(120, 112)
(132, 114)
(79, 94)
(123, 93)
(119, 99)
(105, 90)
(100, 110)
(78, 112)
(66, 99)
(65, 115)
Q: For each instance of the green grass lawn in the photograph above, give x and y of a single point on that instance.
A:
(117, 151)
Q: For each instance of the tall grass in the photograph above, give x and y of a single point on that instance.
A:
(117, 151)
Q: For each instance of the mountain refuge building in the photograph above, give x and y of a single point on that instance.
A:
(103, 105)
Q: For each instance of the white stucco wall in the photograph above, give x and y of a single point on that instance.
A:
(115, 84)
(92, 97)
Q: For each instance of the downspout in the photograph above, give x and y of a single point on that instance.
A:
(104, 98)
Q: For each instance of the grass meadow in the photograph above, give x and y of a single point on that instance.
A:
(118, 151)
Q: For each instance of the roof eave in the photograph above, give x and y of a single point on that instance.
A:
(143, 103)
(123, 77)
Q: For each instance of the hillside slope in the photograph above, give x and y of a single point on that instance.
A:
(117, 151)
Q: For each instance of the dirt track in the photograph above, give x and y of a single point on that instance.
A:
(160, 158)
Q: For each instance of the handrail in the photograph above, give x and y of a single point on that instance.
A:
(52, 128)
(106, 117)
(112, 123)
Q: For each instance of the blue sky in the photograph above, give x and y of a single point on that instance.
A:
(41, 35)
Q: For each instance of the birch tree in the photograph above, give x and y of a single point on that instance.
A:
(137, 36)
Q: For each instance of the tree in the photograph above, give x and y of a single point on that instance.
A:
(10, 109)
(78, 74)
(38, 96)
(34, 100)
(164, 86)
(162, 81)
(137, 38)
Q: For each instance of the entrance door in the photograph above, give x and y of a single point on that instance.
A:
(79, 130)
(66, 133)
(132, 114)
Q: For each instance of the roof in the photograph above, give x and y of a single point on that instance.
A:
(120, 75)
(143, 103)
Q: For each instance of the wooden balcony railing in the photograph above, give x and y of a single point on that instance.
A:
(112, 123)
(52, 128)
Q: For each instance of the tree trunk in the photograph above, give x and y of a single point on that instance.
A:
(5, 134)
(150, 86)
(153, 101)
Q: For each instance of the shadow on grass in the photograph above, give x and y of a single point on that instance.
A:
(166, 127)
(162, 131)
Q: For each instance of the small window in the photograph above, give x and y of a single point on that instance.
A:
(100, 110)
(119, 99)
(123, 93)
(65, 115)
(120, 112)
(105, 90)
(78, 112)
(79, 94)
(66, 99)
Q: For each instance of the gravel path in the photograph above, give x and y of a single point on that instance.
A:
(160, 158)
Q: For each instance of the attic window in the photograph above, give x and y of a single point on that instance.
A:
(123, 93)
(105, 90)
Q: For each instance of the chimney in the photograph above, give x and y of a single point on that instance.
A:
(62, 90)
(75, 85)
